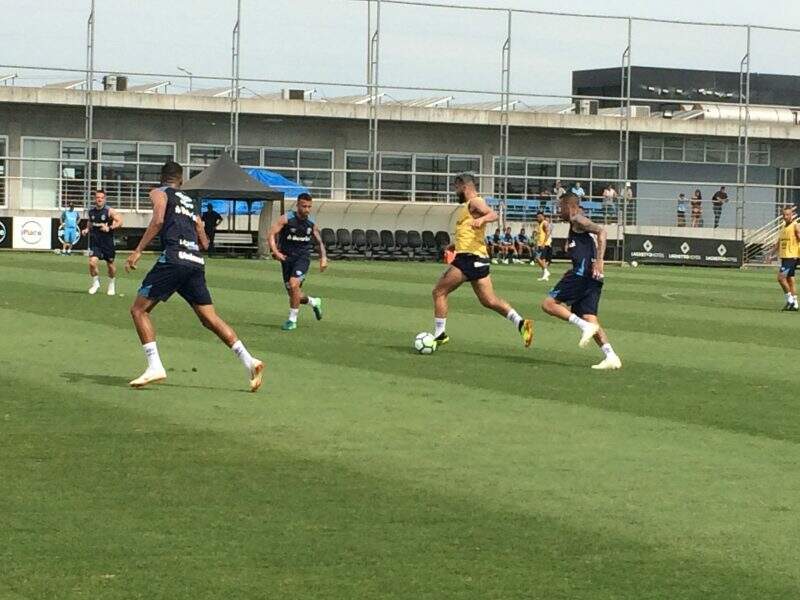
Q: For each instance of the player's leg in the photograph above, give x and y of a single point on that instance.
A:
(112, 275)
(784, 277)
(569, 291)
(450, 281)
(95, 274)
(293, 286)
(484, 290)
(611, 360)
(140, 313)
(541, 260)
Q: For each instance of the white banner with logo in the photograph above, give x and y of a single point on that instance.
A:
(32, 233)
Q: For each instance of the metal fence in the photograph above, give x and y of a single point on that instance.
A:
(129, 181)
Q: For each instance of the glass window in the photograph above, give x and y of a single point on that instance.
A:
(652, 148)
(156, 153)
(203, 154)
(118, 151)
(673, 149)
(715, 152)
(395, 186)
(429, 186)
(40, 177)
(651, 153)
(694, 151)
(759, 153)
(119, 180)
(316, 159)
(516, 178)
(572, 172)
(542, 176)
(359, 182)
(602, 175)
(278, 157)
(249, 157)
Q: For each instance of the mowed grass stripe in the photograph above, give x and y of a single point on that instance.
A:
(595, 455)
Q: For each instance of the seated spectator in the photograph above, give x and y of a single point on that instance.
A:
(493, 243)
(558, 190)
(682, 206)
(577, 189)
(507, 246)
(523, 244)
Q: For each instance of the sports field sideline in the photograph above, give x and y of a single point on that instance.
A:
(362, 470)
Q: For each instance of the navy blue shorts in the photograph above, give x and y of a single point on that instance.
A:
(295, 266)
(103, 250)
(473, 267)
(164, 279)
(582, 294)
(788, 266)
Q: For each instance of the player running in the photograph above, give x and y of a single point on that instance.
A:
(295, 232)
(544, 245)
(180, 268)
(472, 263)
(789, 253)
(103, 220)
(582, 285)
(69, 228)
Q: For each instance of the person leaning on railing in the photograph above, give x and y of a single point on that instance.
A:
(682, 206)
(697, 209)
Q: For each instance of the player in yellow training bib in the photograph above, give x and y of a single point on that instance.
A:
(789, 253)
(471, 263)
(544, 245)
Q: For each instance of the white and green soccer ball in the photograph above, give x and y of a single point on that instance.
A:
(425, 343)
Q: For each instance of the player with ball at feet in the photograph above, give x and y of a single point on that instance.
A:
(582, 285)
(472, 263)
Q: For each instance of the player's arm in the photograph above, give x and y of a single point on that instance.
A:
(602, 238)
(272, 235)
(487, 215)
(200, 231)
(159, 201)
(85, 231)
(116, 219)
(218, 220)
(323, 253)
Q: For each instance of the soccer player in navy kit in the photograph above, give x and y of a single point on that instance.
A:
(103, 220)
(580, 288)
(180, 268)
(291, 242)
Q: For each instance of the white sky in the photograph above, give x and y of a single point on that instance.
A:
(325, 40)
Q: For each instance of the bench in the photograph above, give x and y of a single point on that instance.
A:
(233, 243)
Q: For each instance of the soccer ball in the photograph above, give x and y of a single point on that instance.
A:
(425, 343)
(634, 264)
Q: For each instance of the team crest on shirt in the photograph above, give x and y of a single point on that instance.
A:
(308, 231)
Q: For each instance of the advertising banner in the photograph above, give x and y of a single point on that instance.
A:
(32, 233)
(704, 252)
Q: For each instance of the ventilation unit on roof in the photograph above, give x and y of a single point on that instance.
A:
(586, 107)
(294, 94)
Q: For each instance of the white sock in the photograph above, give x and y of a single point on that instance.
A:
(514, 317)
(578, 322)
(241, 352)
(153, 359)
(293, 312)
(96, 280)
(794, 300)
(111, 282)
(546, 272)
(312, 301)
(788, 297)
(439, 326)
(608, 350)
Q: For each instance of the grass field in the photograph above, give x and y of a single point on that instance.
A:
(362, 470)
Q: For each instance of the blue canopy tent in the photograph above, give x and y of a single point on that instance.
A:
(272, 180)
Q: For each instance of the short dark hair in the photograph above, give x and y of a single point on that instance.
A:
(171, 171)
(100, 191)
(570, 197)
(539, 212)
(304, 196)
(466, 177)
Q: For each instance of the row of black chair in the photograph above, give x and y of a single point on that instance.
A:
(385, 245)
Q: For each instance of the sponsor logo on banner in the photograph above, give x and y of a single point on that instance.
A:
(32, 233)
(678, 251)
(3, 232)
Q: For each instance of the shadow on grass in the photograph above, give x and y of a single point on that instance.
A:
(107, 380)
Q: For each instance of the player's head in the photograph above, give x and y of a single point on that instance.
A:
(522, 229)
(303, 207)
(497, 231)
(465, 186)
(508, 230)
(569, 205)
(99, 198)
(788, 213)
(70, 206)
(171, 174)
(539, 217)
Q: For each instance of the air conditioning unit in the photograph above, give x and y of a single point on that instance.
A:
(586, 107)
(640, 111)
(115, 83)
(294, 94)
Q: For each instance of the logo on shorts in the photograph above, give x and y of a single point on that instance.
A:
(648, 245)
(2, 232)
(298, 273)
(685, 248)
(31, 233)
(722, 250)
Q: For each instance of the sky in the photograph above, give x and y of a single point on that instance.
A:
(324, 41)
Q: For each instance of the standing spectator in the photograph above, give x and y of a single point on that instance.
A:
(578, 190)
(609, 201)
(717, 201)
(69, 225)
(558, 190)
(682, 206)
(211, 220)
(697, 209)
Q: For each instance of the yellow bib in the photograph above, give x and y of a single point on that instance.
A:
(468, 239)
(788, 246)
(542, 236)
